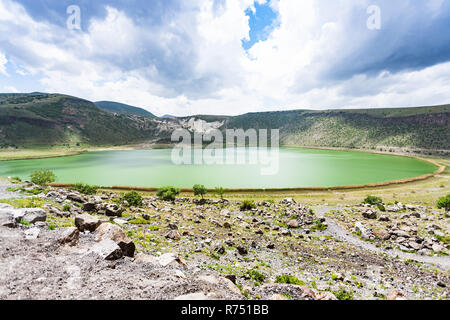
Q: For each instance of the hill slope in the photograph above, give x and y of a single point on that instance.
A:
(423, 128)
(121, 108)
(48, 119)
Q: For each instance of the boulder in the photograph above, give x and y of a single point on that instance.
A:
(382, 234)
(365, 233)
(415, 245)
(325, 296)
(437, 248)
(293, 224)
(113, 210)
(288, 202)
(75, 197)
(145, 258)
(369, 214)
(89, 207)
(171, 259)
(7, 218)
(242, 250)
(69, 236)
(395, 295)
(400, 233)
(173, 234)
(115, 233)
(33, 215)
(86, 222)
(107, 249)
(32, 233)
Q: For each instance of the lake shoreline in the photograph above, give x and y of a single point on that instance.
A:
(440, 168)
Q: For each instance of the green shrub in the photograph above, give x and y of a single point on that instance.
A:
(256, 275)
(85, 188)
(288, 279)
(247, 205)
(133, 198)
(372, 200)
(42, 177)
(319, 226)
(381, 207)
(168, 193)
(444, 203)
(199, 190)
(66, 207)
(342, 294)
(220, 191)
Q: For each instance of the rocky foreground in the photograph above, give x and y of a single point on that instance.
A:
(61, 244)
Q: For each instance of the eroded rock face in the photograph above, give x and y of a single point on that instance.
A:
(115, 233)
(86, 222)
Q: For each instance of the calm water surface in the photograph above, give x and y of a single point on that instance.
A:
(154, 168)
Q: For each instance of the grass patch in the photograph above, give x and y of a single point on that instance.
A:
(289, 279)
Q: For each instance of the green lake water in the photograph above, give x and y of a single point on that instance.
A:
(154, 168)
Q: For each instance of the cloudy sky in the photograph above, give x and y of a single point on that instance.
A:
(187, 57)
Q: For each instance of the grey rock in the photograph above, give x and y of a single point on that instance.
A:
(113, 210)
(32, 233)
(107, 249)
(75, 197)
(69, 236)
(86, 222)
(33, 215)
(115, 233)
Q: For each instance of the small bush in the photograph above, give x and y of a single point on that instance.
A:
(168, 193)
(288, 279)
(319, 226)
(372, 200)
(220, 191)
(42, 177)
(344, 295)
(133, 198)
(444, 203)
(85, 188)
(66, 207)
(199, 190)
(256, 275)
(247, 205)
(381, 207)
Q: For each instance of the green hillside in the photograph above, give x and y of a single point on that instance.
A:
(50, 119)
(423, 128)
(121, 108)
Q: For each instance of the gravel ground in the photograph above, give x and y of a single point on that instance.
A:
(340, 233)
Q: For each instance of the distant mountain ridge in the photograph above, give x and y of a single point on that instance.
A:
(52, 119)
(122, 108)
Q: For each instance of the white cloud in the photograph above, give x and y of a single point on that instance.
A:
(194, 62)
(3, 62)
(11, 89)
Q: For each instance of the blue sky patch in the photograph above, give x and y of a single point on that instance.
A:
(262, 21)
